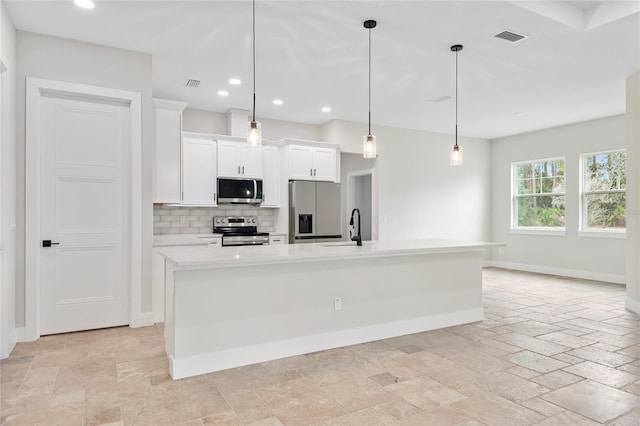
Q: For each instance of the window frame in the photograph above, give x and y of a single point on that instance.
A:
(534, 230)
(584, 230)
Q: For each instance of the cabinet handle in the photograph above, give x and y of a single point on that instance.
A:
(238, 169)
(214, 196)
(310, 172)
(242, 169)
(314, 171)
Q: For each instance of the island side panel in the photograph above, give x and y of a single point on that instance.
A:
(228, 317)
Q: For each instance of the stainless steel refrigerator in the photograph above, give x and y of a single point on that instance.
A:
(314, 212)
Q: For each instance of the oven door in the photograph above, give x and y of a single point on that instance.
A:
(245, 240)
(242, 191)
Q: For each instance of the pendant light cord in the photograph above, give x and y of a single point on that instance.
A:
(369, 81)
(456, 98)
(254, 60)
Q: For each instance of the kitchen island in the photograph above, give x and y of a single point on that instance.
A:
(233, 306)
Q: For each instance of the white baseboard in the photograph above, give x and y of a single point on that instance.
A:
(549, 270)
(16, 335)
(632, 305)
(215, 361)
(144, 319)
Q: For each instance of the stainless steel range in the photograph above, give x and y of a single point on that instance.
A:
(239, 231)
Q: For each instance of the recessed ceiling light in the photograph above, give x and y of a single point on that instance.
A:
(326, 109)
(234, 81)
(223, 93)
(277, 101)
(85, 4)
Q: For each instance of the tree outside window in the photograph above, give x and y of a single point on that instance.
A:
(539, 193)
(604, 186)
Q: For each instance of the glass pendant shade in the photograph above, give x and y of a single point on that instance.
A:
(456, 155)
(369, 146)
(254, 135)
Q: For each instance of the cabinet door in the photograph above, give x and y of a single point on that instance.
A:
(167, 158)
(229, 159)
(199, 172)
(251, 161)
(271, 176)
(324, 164)
(300, 162)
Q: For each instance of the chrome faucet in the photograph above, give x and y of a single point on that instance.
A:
(357, 238)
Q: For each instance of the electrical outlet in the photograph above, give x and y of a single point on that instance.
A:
(337, 304)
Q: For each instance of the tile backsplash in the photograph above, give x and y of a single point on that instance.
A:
(199, 220)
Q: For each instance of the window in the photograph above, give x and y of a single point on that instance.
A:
(539, 194)
(603, 200)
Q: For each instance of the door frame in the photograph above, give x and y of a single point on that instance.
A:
(35, 88)
(374, 197)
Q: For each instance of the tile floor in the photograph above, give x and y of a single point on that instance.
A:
(551, 351)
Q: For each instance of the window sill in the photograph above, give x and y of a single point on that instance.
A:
(556, 232)
(605, 233)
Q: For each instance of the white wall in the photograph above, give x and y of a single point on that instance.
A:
(71, 61)
(571, 255)
(633, 192)
(419, 194)
(8, 332)
(199, 121)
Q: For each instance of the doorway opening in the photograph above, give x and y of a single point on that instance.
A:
(361, 195)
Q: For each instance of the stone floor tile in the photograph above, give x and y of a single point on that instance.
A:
(379, 351)
(425, 393)
(525, 373)
(355, 395)
(621, 341)
(593, 400)
(299, 402)
(556, 379)
(567, 418)
(602, 374)
(532, 344)
(565, 339)
(480, 362)
(511, 387)
(536, 362)
(631, 351)
(541, 406)
(611, 359)
(531, 328)
(492, 409)
(632, 418)
(248, 406)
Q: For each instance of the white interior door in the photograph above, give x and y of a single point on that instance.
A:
(85, 213)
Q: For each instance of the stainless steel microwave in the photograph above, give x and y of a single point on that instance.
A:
(240, 191)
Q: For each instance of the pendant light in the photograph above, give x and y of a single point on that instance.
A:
(254, 135)
(456, 150)
(369, 141)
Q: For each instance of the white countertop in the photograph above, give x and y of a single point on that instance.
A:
(184, 239)
(197, 257)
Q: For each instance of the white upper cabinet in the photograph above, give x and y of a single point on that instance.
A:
(167, 166)
(312, 163)
(199, 172)
(239, 160)
(271, 176)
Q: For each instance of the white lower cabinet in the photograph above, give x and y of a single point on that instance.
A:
(277, 239)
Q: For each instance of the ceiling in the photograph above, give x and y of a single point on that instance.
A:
(310, 54)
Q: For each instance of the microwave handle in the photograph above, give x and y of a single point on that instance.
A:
(255, 188)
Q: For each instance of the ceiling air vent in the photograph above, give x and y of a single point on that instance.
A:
(511, 36)
(193, 83)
